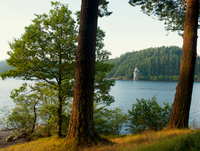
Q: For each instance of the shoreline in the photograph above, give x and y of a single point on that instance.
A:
(124, 79)
(4, 134)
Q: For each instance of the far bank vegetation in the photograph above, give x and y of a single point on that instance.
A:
(161, 63)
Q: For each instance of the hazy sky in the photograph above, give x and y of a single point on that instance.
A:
(127, 29)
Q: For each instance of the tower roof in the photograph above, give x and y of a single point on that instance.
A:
(136, 69)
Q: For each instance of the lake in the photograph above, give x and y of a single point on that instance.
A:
(6, 86)
(124, 92)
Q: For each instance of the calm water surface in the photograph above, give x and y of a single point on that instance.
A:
(124, 92)
(6, 86)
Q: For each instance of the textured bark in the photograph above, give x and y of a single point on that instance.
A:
(60, 116)
(180, 112)
(81, 126)
(60, 99)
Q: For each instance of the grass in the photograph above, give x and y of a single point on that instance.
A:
(184, 139)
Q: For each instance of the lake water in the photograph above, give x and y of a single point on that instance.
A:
(6, 86)
(124, 92)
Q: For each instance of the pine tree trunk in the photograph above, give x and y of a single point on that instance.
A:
(81, 126)
(59, 116)
(180, 112)
(60, 98)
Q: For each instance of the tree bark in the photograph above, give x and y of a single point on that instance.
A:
(60, 98)
(180, 112)
(60, 116)
(35, 117)
(81, 126)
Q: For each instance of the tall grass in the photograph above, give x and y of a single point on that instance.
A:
(183, 139)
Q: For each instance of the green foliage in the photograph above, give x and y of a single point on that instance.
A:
(46, 53)
(171, 12)
(103, 8)
(148, 114)
(21, 119)
(108, 121)
(162, 63)
(47, 49)
(37, 104)
(102, 86)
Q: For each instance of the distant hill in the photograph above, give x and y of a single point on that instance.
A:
(3, 63)
(162, 63)
(4, 66)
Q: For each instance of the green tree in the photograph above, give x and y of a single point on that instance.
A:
(179, 15)
(181, 107)
(81, 127)
(109, 121)
(160, 61)
(148, 114)
(22, 119)
(172, 12)
(28, 103)
(46, 52)
(37, 104)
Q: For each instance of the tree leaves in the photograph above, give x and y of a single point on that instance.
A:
(170, 11)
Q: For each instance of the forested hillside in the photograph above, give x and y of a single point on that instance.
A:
(162, 63)
(4, 66)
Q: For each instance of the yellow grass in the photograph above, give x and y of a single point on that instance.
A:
(127, 143)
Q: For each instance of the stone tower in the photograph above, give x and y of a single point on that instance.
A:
(136, 74)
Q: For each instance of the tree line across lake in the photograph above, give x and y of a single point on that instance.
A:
(161, 63)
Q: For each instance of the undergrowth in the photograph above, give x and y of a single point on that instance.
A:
(184, 139)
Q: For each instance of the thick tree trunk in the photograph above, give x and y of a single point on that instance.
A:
(60, 98)
(59, 116)
(180, 112)
(81, 126)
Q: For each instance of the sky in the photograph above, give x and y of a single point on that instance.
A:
(127, 29)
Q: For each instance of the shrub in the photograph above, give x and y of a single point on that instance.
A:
(108, 121)
(21, 119)
(148, 114)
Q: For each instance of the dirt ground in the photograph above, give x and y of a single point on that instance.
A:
(4, 135)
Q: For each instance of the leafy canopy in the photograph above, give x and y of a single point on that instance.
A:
(172, 12)
(148, 114)
(46, 52)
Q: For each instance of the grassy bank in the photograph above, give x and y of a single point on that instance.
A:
(183, 139)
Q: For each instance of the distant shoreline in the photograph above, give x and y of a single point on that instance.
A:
(124, 79)
(144, 80)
